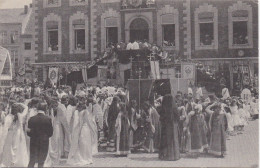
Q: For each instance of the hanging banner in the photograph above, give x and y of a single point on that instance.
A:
(53, 75)
(188, 71)
(155, 69)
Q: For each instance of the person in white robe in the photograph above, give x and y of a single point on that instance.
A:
(136, 46)
(70, 110)
(55, 146)
(14, 149)
(81, 146)
(129, 46)
(93, 127)
(65, 129)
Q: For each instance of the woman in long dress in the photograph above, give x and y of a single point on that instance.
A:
(235, 115)
(15, 151)
(81, 147)
(55, 148)
(218, 126)
(111, 120)
(122, 132)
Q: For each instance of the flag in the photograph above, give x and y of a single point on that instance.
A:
(53, 74)
(155, 69)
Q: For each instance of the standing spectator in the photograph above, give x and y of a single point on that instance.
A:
(169, 145)
(122, 131)
(218, 126)
(40, 130)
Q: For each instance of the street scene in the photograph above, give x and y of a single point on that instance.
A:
(129, 83)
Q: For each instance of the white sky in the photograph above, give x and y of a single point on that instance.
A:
(7, 4)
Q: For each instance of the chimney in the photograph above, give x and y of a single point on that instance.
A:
(25, 9)
(30, 5)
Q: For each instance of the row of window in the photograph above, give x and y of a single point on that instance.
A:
(205, 24)
(206, 38)
(11, 38)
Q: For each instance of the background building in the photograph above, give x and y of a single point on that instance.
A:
(16, 35)
(222, 35)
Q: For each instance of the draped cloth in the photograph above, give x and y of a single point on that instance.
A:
(81, 146)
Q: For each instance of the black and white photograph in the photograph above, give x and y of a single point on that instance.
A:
(129, 83)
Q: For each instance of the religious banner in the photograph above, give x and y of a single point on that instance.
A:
(155, 69)
(53, 74)
(188, 71)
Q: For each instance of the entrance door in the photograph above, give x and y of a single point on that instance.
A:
(139, 30)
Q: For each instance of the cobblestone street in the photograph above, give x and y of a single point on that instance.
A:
(242, 152)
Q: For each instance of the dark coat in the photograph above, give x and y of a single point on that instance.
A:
(40, 131)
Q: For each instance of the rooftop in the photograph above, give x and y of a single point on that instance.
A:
(12, 15)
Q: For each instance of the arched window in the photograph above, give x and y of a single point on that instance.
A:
(240, 25)
(206, 27)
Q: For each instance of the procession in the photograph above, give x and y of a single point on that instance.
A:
(129, 83)
(44, 125)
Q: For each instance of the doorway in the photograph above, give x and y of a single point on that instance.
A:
(139, 30)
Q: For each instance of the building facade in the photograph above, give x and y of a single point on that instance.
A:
(17, 35)
(216, 33)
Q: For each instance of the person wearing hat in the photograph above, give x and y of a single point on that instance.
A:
(218, 126)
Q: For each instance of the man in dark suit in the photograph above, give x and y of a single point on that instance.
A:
(39, 130)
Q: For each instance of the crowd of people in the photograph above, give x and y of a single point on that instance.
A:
(43, 125)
